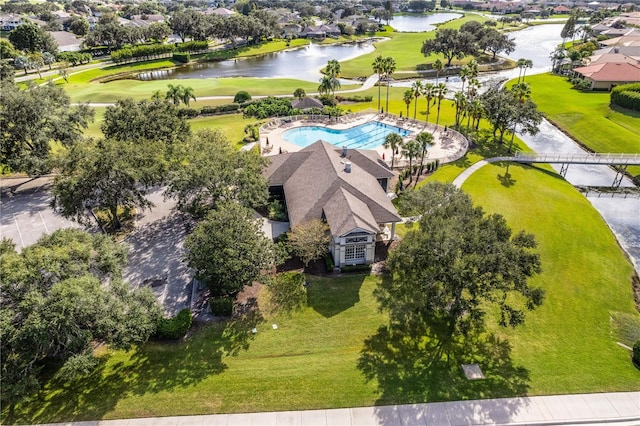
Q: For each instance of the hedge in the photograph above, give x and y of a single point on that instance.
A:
(174, 328)
(221, 307)
(192, 46)
(635, 355)
(627, 96)
(183, 58)
(355, 268)
(145, 51)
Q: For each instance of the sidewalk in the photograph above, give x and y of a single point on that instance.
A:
(588, 409)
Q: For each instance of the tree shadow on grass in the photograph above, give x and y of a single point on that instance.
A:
(331, 296)
(153, 368)
(424, 369)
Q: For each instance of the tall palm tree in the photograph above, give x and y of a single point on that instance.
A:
(378, 67)
(187, 95)
(476, 109)
(333, 68)
(389, 68)
(393, 141)
(441, 91)
(425, 140)
(464, 75)
(174, 93)
(460, 102)
(438, 65)
(325, 86)
(411, 150)
(429, 93)
(521, 91)
(407, 97)
(528, 64)
(417, 89)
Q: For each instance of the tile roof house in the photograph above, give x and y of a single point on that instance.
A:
(604, 76)
(347, 189)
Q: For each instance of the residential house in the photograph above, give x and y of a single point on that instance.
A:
(345, 188)
(561, 10)
(67, 42)
(10, 21)
(606, 75)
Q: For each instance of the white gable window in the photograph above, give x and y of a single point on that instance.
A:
(355, 252)
(351, 240)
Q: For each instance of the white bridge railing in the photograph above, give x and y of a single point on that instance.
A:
(595, 158)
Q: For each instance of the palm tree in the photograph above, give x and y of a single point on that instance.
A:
(174, 94)
(438, 65)
(464, 75)
(528, 64)
(476, 109)
(156, 96)
(460, 102)
(407, 98)
(521, 91)
(417, 89)
(333, 68)
(187, 95)
(411, 150)
(424, 140)
(429, 93)
(378, 67)
(389, 68)
(393, 141)
(441, 91)
(325, 85)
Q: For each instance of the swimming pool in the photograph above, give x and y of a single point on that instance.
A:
(366, 136)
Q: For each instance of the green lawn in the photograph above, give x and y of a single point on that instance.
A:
(566, 345)
(114, 90)
(403, 47)
(587, 116)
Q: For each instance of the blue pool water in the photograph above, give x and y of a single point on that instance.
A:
(366, 136)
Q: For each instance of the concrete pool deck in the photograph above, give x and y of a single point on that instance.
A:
(448, 146)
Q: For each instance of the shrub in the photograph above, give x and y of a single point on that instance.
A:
(356, 98)
(356, 268)
(174, 328)
(627, 96)
(220, 109)
(635, 355)
(221, 307)
(183, 58)
(144, 51)
(241, 96)
(188, 112)
(328, 262)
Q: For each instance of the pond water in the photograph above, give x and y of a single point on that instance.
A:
(418, 24)
(302, 64)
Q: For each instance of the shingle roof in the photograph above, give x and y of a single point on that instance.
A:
(306, 103)
(611, 71)
(312, 177)
(345, 212)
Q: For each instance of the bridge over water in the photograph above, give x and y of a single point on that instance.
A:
(619, 161)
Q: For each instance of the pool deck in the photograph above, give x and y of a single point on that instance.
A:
(448, 145)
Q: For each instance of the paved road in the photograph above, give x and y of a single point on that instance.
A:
(621, 409)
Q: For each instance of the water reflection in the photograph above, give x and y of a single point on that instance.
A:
(419, 24)
(302, 64)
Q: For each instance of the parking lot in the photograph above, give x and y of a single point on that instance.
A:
(155, 246)
(27, 215)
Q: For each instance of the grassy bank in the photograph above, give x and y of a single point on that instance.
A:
(587, 116)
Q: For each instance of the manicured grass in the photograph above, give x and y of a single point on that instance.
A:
(110, 92)
(403, 47)
(566, 344)
(309, 362)
(231, 124)
(587, 116)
